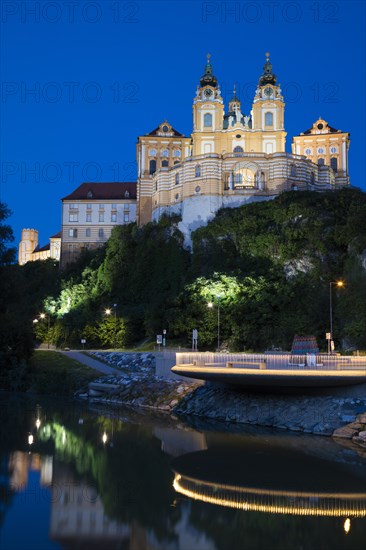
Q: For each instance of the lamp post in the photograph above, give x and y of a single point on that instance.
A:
(108, 311)
(339, 284)
(210, 305)
(43, 316)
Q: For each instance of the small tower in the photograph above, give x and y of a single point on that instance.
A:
(27, 245)
(268, 111)
(208, 113)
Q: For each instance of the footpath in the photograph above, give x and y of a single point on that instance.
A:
(90, 362)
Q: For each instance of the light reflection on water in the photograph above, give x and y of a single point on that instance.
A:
(137, 481)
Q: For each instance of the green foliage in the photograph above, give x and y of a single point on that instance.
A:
(270, 262)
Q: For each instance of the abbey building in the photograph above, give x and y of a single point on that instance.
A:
(233, 156)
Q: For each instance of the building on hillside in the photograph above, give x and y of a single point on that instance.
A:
(233, 157)
(91, 211)
(30, 251)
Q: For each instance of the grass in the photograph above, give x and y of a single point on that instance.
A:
(54, 373)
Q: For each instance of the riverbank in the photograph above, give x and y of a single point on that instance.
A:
(137, 385)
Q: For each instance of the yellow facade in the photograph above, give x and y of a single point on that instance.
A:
(325, 145)
(232, 157)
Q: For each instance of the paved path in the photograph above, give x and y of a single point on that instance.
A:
(91, 362)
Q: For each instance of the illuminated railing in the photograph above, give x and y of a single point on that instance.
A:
(272, 501)
(284, 361)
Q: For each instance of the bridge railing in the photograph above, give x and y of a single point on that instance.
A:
(284, 361)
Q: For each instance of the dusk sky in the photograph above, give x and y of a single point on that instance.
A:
(81, 80)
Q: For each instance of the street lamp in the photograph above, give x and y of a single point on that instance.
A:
(43, 316)
(210, 305)
(339, 284)
(108, 311)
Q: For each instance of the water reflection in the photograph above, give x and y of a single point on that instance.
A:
(128, 480)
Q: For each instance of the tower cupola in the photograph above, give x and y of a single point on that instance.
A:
(208, 79)
(234, 103)
(268, 77)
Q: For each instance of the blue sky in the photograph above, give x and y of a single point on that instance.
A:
(104, 72)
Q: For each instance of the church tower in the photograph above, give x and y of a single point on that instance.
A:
(208, 114)
(268, 112)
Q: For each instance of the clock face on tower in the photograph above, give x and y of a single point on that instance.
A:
(268, 92)
(208, 92)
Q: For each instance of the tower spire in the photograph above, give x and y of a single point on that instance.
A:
(268, 77)
(208, 79)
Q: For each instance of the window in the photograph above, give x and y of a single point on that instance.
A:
(152, 167)
(113, 217)
(126, 206)
(312, 177)
(88, 217)
(90, 194)
(320, 162)
(238, 178)
(177, 153)
(88, 206)
(101, 207)
(127, 194)
(320, 150)
(73, 233)
(101, 216)
(238, 149)
(207, 120)
(177, 178)
(87, 232)
(333, 150)
(126, 217)
(101, 232)
(293, 171)
(308, 151)
(164, 163)
(73, 206)
(198, 171)
(165, 153)
(334, 164)
(114, 207)
(152, 152)
(73, 217)
(268, 119)
(198, 189)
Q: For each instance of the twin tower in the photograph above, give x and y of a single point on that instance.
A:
(233, 157)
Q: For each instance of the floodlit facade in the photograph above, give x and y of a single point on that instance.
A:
(233, 158)
(30, 251)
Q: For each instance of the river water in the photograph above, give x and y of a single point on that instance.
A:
(77, 477)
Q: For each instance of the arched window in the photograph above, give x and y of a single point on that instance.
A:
(152, 166)
(334, 164)
(207, 120)
(268, 119)
(238, 149)
(238, 178)
(293, 171)
(165, 163)
(198, 171)
(177, 178)
(320, 162)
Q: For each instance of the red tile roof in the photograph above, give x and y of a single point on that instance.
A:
(57, 235)
(107, 190)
